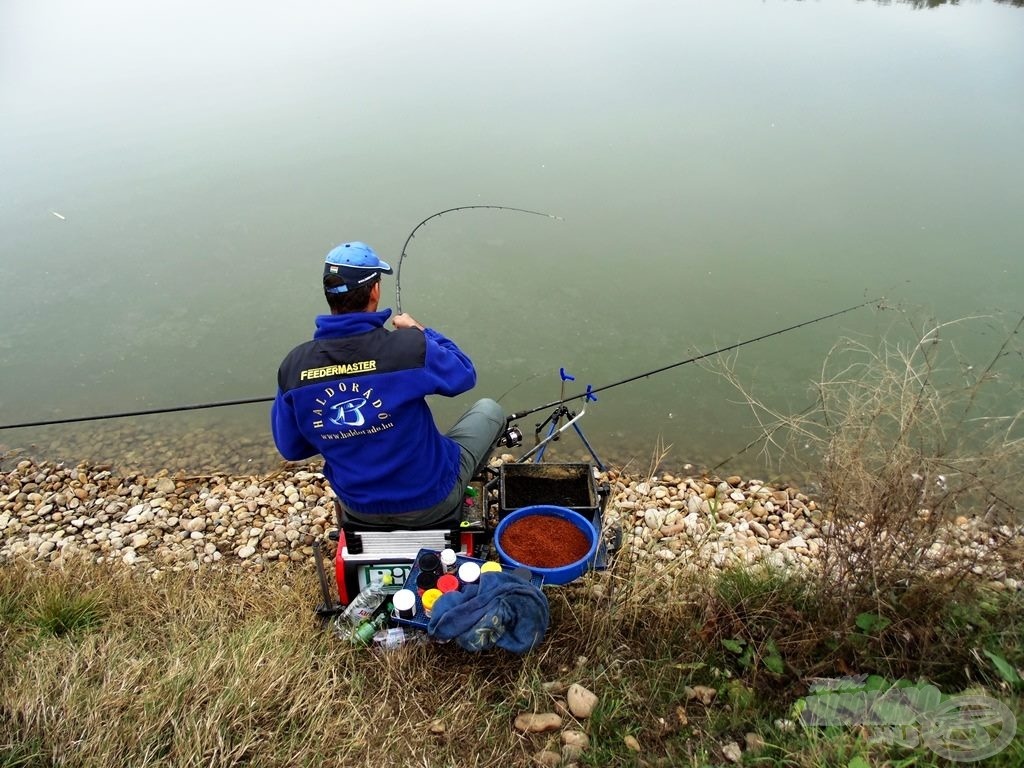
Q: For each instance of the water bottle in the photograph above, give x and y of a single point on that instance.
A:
(366, 602)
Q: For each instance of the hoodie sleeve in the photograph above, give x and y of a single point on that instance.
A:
(448, 366)
(289, 440)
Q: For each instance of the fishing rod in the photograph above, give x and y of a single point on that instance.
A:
(179, 408)
(592, 391)
(589, 393)
(401, 257)
(126, 414)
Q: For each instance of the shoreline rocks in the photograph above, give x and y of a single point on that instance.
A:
(721, 522)
(51, 513)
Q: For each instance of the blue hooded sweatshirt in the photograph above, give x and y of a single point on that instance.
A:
(355, 394)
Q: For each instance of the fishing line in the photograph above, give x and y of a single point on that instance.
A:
(590, 391)
(401, 257)
(516, 386)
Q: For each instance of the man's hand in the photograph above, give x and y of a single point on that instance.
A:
(405, 320)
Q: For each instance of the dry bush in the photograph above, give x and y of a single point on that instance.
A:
(917, 452)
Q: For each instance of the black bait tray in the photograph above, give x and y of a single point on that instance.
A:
(420, 618)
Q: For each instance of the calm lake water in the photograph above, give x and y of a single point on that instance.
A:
(172, 174)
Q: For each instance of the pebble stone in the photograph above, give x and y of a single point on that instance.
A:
(710, 523)
(51, 512)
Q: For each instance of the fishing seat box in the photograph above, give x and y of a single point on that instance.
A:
(366, 551)
(391, 553)
(572, 486)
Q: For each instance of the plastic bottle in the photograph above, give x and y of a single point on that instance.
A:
(428, 598)
(367, 601)
(364, 633)
(448, 558)
(405, 603)
(396, 636)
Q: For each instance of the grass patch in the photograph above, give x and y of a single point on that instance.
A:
(59, 614)
(28, 755)
(11, 608)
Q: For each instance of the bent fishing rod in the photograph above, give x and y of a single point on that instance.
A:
(251, 400)
(590, 392)
(401, 256)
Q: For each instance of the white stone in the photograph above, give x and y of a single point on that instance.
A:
(693, 504)
(654, 518)
(580, 700)
(732, 752)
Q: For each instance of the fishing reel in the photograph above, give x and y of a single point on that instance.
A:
(511, 437)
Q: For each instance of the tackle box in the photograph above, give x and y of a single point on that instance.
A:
(420, 618)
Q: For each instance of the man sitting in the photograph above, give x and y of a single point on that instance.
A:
(355, 394)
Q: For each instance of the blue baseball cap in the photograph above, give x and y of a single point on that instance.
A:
(356, 264)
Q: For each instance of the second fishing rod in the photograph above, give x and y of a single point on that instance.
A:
(590, 392)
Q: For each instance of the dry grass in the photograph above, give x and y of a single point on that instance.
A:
(225, 670)
(222, 670)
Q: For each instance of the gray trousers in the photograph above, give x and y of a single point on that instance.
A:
(476, 432)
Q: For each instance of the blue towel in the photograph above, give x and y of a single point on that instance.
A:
(502, 611)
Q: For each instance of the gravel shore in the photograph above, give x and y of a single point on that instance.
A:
(52, 513)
